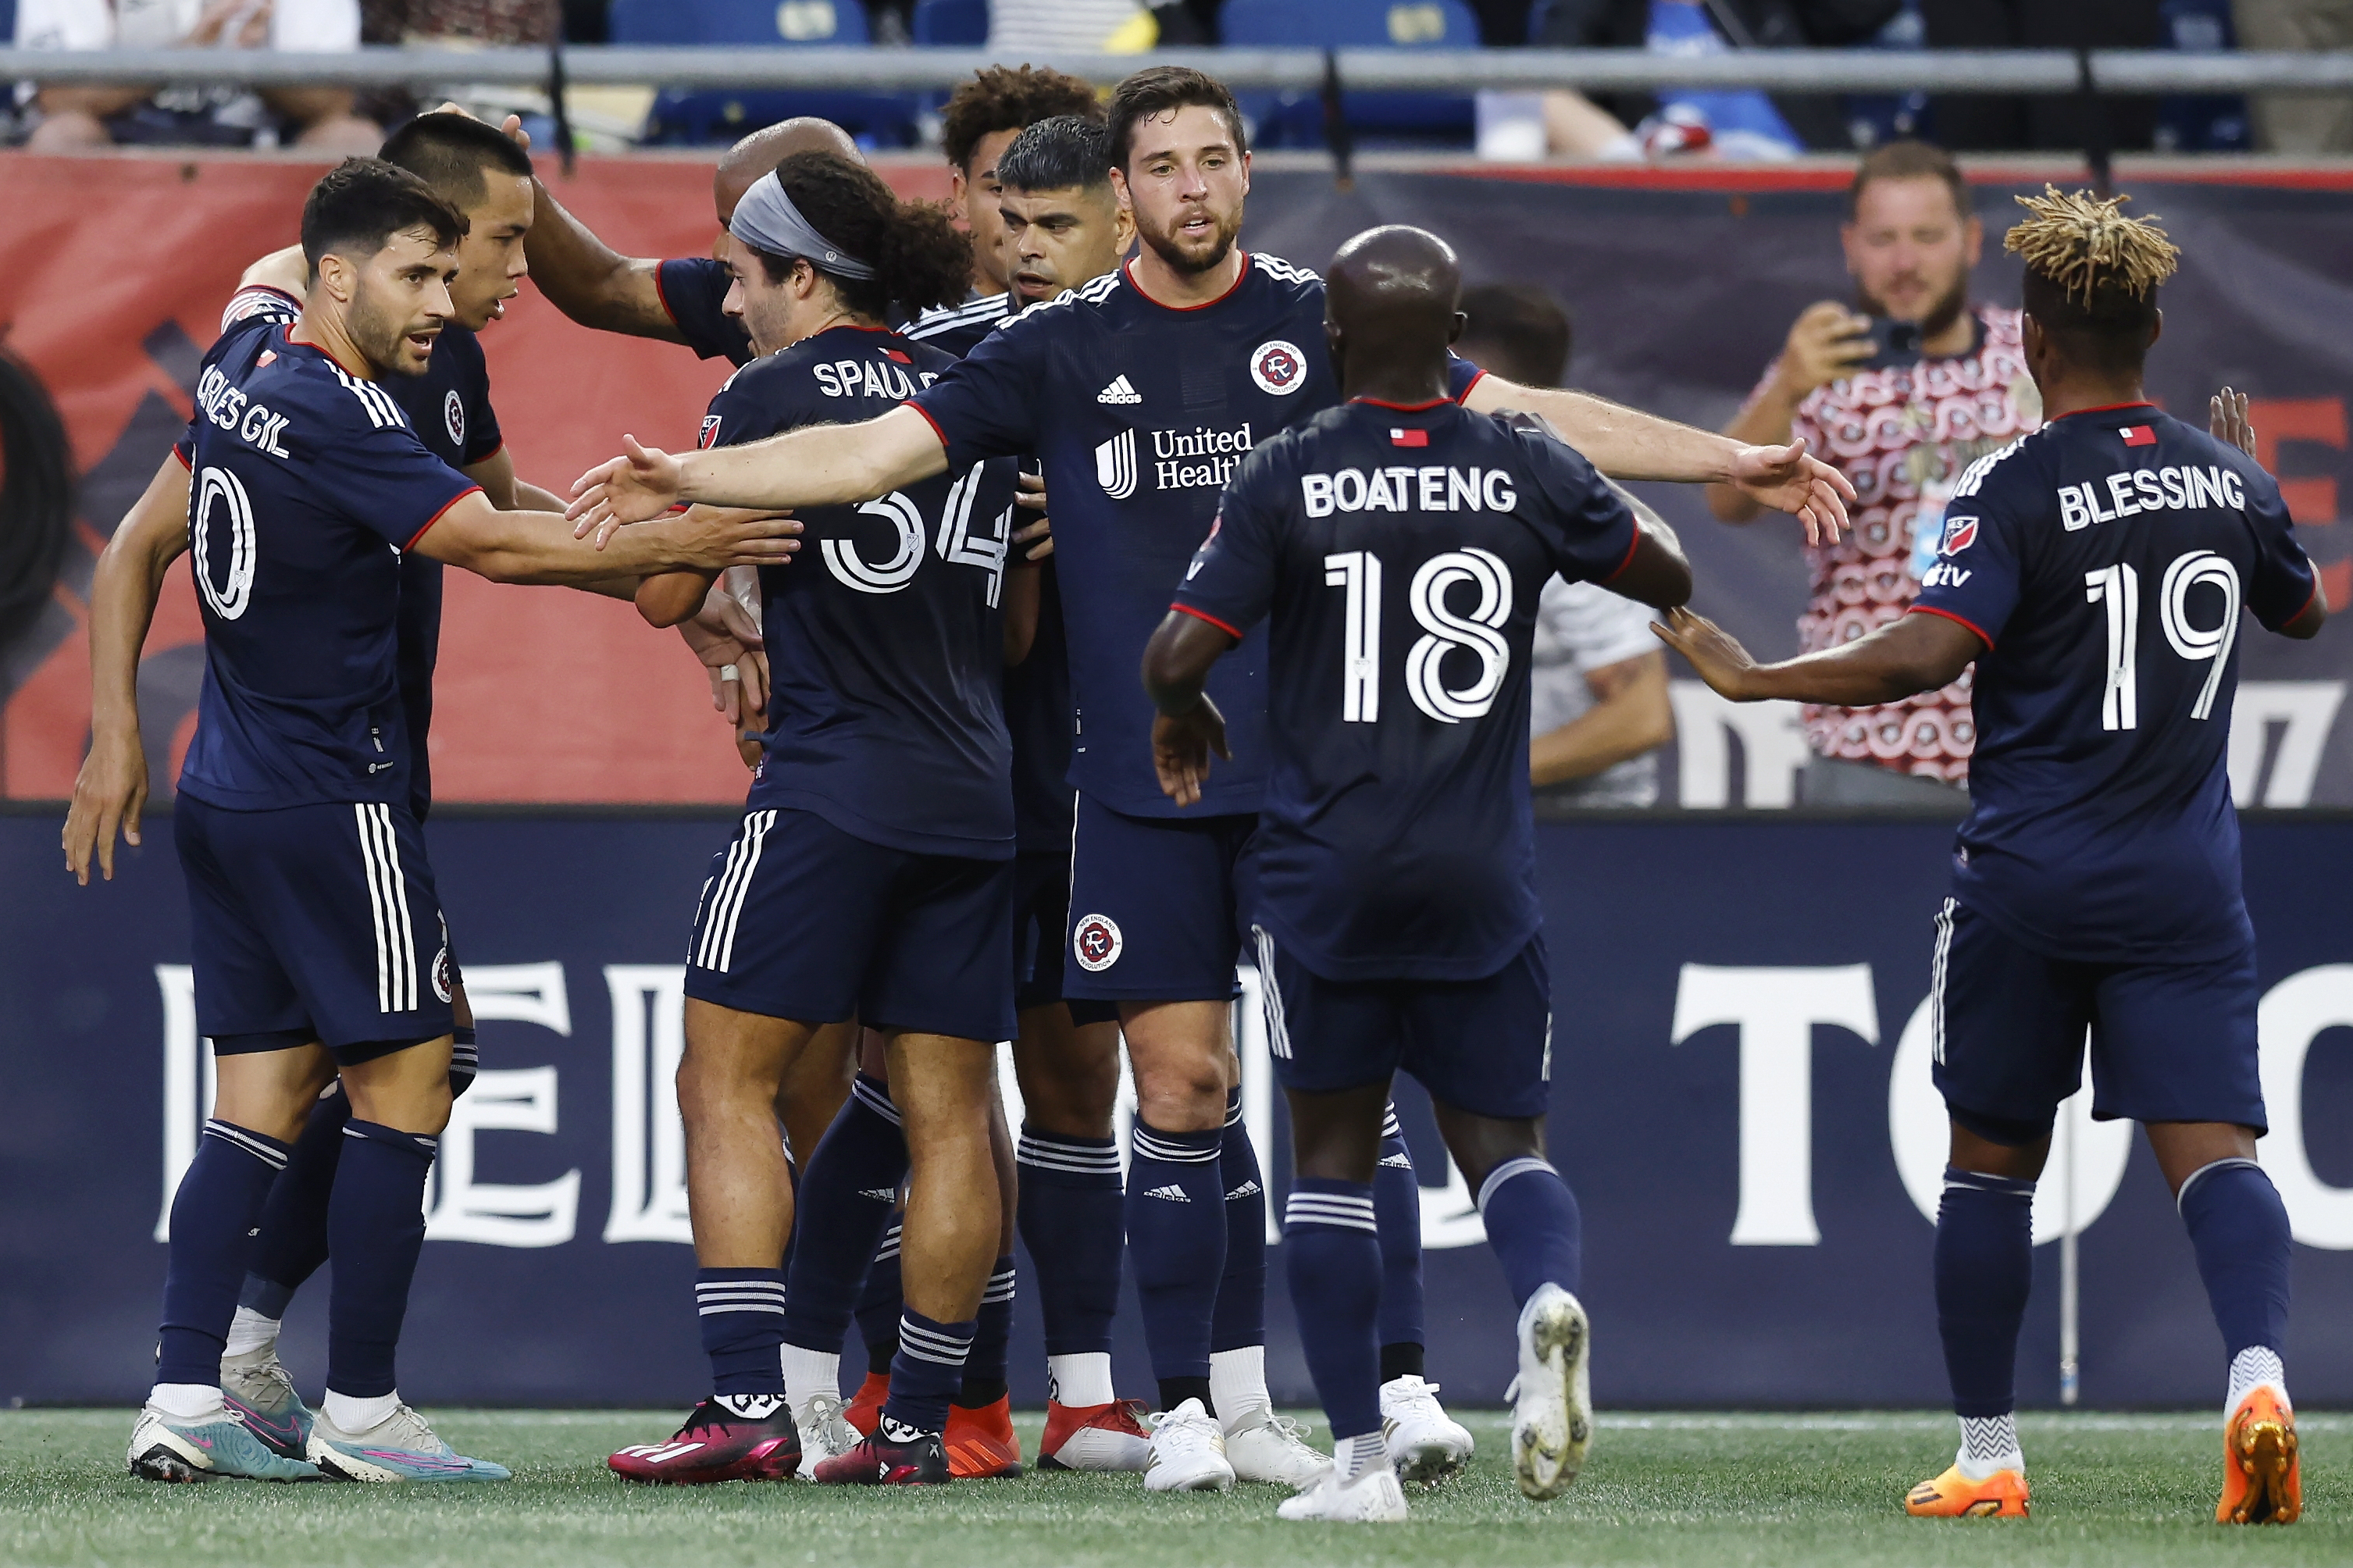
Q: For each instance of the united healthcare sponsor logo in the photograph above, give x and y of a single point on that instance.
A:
(1203, 458)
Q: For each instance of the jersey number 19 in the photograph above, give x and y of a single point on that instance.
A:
(2118, 588)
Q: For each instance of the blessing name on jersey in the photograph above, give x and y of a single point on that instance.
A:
(1408, 489)
(2149, 490)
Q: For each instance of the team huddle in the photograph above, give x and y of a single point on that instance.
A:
(1101, 603)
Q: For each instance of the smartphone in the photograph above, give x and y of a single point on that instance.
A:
(1893, 343)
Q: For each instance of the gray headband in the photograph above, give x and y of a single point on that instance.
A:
(766, 219)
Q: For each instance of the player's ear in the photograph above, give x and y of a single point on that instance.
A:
(1335, 346)
(1454, 329)
(2156, 328)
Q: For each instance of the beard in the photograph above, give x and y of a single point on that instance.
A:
(381, 340)
(1942, 314)
(1171, 250)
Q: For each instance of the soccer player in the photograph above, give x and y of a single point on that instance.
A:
(1396, 546)
(2094, 571)
(318, 943)
(873, 871)
(1140, 393)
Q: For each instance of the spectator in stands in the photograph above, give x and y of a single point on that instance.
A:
(1903, 391)
(1990, 122)
(1597, 682)
(2298, 121)
(81, 116)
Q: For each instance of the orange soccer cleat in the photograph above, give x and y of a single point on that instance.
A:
(2262, 1480)
(864, 1411)
(1111, 1437)
(981, 1444)
(2002, 1495)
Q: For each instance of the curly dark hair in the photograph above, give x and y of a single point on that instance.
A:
(1009, 98)
(920, 258)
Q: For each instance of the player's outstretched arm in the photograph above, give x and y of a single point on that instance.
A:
(821, 465)
(536, 546)
(1190, 728)
(1910, 655)
(111, 787)
(1628, 444)
(590, 281)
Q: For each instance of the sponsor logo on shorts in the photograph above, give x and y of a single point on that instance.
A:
(1247, 1190)
(453, 415)
(1278, 367)
(1171, 1194)
(1095, 941)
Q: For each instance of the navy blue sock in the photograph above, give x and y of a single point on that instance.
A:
(927, 1371)
(293, 1240)
(1533, 1226)
(376, 1227)
(1069, 1217)
(1397, 1205)
(743, 1312)
(879, 1303)
(2239, 1227)
(1177, 1238)
(983, 1366)
(841, 1208)
(213, 1216)
(1240, 1318)
(1331, 1252)
(1984, 1267)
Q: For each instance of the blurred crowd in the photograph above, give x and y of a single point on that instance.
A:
(1671, 123)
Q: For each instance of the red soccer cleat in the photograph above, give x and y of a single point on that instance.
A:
(893, 1457)
(980, 1443)
(865, 1406)
(1102, 1438)
(717, 1445)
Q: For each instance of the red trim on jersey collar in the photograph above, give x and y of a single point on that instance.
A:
(1205, 616)
(1406, 407)
(461, 495)
(944, 444)
(1961, 620)
(2106, 408)
(1128, 269)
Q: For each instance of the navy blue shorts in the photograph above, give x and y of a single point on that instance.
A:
(1481, 1045)
(802, 920)
(314, 922)
(1158, 905)
(2171, 1042)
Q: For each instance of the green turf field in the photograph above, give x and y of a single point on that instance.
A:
(1681, 1489)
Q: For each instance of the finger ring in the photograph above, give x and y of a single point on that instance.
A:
(729, 672)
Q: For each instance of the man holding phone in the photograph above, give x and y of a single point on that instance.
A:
(1903, 390)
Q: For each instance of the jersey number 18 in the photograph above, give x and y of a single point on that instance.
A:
(1358, 574)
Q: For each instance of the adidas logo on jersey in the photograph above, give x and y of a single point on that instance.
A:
(1171, 1194)
(1119, 391)
(1399, 1162)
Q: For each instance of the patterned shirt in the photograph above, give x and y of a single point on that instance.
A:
(1904, 436)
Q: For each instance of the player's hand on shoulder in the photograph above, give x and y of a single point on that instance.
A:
(1714, 654)
(1790, 478)
(2227, 421)
(1182, 746)
(638, 486)
(107, 794)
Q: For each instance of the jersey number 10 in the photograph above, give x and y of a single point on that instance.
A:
(1358, 574)
(2118, 588)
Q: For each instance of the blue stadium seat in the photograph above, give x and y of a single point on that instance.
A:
(880, 120)
(951, 23)
(1295, 117)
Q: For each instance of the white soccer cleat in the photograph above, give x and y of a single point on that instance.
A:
(1425, 1445)
(1264, 1446)
(1373, 1498)
(400, 1448)
(825, 1433)
(1188, 1452)
(1552, 1409)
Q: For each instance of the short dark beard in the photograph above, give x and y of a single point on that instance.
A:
(1179, 262)
(377, 340)
(1940, 317)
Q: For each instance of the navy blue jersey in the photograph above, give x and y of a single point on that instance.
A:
(1139, 414)
(1398, 554)
(2104, 559)
(694, 289)
(307, 485)
(886, 634)
(958, 329)
(1037, 715)
(450, 408)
